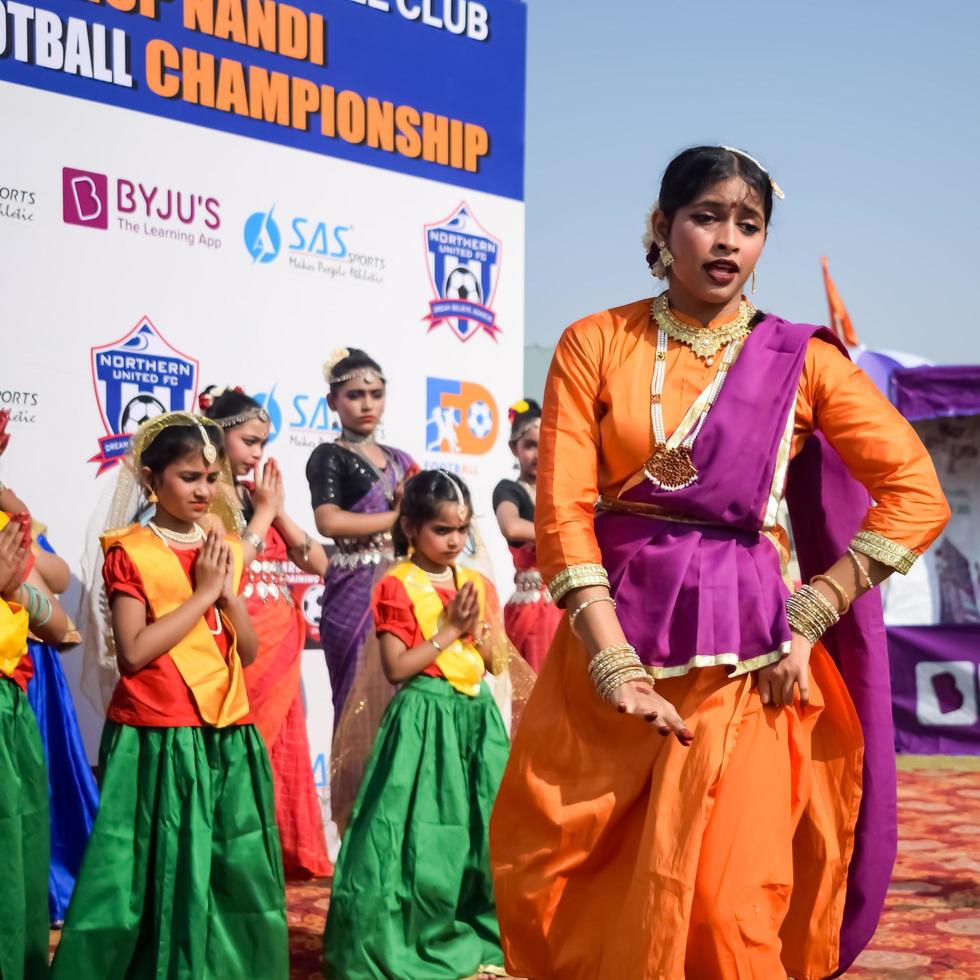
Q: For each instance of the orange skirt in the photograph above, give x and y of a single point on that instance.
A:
(619, 854)
(276, 701)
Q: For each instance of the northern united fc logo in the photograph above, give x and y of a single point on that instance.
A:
(464, 267)
(136, 377)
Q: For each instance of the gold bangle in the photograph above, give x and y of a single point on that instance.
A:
(573, 615)
(837, 589)
(863, 576)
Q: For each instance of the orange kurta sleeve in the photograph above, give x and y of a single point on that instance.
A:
(880, 449)
(568, 463)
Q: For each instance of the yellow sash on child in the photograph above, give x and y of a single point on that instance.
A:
(13, 636)
(461, 663)
(13, 628)
(217, 685)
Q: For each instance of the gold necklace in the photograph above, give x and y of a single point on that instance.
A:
(704, 341)
(671, 467)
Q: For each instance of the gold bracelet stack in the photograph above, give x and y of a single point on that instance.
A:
(810, 613)
(615, 665)
(588, 602)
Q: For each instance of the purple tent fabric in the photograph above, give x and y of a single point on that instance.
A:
(934, 688)
(936, 392)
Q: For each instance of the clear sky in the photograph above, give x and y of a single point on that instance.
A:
(866, 112)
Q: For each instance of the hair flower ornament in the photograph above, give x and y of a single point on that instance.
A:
(333, 360)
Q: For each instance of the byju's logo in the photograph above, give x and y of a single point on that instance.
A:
(136, 377)
(461, 417)
(946, 693)
(262, 237)
(146, 209)
(464, 266)
(85, 198)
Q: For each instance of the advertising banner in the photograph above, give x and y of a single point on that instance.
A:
(200, 192)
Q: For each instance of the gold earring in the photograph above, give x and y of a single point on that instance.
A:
(666, 258)
(152, 498)
(753, 280)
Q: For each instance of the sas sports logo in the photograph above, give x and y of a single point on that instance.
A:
(464, 267)
(136, 377)
(306, 419)
(461, 417)
(310, 240)
(262, 237)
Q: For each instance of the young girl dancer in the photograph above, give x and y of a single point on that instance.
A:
(271, 540)
(530, 616)
(412, 895)
(24, 840)
(355, 485)
(182, 875)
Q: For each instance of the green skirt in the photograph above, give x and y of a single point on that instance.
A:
(412, 895)
(182, 876)
(25, 839)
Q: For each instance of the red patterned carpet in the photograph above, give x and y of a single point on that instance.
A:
(931, 925)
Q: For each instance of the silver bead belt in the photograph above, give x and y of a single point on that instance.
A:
(267, 580)
(363, 552)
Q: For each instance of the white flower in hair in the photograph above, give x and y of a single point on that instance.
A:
(333, 360)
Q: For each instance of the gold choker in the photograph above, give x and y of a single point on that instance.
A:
(704, 341)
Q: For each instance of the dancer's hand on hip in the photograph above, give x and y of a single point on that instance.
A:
(776, 682)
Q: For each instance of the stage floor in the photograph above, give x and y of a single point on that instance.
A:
(931, 925)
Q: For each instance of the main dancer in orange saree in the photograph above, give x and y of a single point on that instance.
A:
(756, 839)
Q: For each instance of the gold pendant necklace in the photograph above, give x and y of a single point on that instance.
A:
(672, 467)
(704, 341)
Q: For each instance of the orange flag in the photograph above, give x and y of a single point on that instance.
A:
(840, 319)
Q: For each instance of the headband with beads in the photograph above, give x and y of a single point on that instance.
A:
(366, 374)
(150, 429)
(464, 511)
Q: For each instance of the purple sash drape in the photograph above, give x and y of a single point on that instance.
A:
(346, 615)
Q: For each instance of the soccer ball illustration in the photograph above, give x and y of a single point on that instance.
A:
(479, 419)
(138, 410)
(312, 604)
(461, 283)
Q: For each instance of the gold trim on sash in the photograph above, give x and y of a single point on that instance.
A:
(217, 685)
(461, 663)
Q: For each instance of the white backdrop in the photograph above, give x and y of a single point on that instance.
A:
(267, 325)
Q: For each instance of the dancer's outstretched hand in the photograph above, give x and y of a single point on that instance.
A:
(639, 698)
